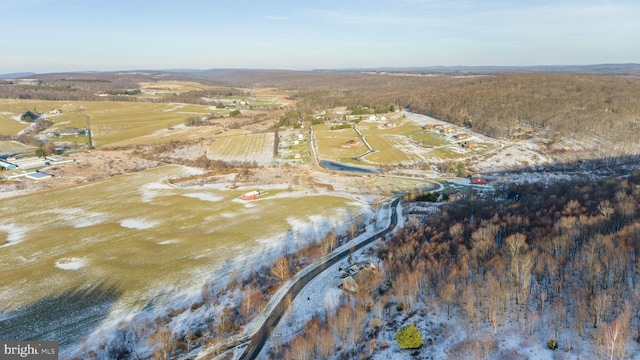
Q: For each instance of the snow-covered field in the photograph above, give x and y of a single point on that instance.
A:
(246, 148)
(139, 246)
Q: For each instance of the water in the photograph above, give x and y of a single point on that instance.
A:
(332, 165)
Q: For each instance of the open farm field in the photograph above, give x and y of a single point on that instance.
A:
(11, 146)
(243, 148)
(179, 133)
(111, 122)
(387, 151)
(11, 109)
(332, 144)
(9, 126)
(272, 97)
(170, 87)
(388, 184)
(403, 140)
(427, 138)
(449, 153)
(125, 240)
(401, 128)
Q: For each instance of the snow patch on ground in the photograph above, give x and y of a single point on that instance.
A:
(15, 234)
(80, 218)
(149, 191)
(88, 221)
(204, 197)
(138, 224)
(70, 263)
(169, 242)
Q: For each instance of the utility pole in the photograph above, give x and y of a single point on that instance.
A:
(91, 145)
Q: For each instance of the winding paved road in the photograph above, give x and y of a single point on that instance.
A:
(255, 338)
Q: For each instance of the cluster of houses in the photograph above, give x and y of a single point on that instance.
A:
(26, 166)
(447, 130)
(299, 139)
(70, 131)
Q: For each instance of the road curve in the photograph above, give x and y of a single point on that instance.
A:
(255, 339)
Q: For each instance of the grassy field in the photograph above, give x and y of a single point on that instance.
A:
(387, 151)
(111, 122)
(367, 128)
(243, 148)
(395, 142)
(10, 146)
(122, 123)
(427, 138)
(386, 185)
(331, 143)
(9, 126)
(137, 237)
(170, 87)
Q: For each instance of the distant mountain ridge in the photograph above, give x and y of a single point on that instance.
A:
(17, 75)
(622, 69)
(603, 69)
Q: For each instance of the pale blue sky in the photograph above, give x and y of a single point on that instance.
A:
(81, 35)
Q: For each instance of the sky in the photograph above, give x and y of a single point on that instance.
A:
(96, 35)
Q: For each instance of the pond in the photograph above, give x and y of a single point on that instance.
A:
(332, 165)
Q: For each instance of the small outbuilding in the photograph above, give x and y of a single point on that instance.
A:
(478, 180)
(38, 175)
(251, 195)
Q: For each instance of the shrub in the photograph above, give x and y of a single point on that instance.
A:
(552, 344)
(375, 322)
(409, 337)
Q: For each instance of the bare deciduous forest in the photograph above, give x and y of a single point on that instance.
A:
(564, 259)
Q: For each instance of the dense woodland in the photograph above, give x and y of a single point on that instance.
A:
(562, 260)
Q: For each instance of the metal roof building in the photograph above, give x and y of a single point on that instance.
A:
(7, 165)
(38, 175)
